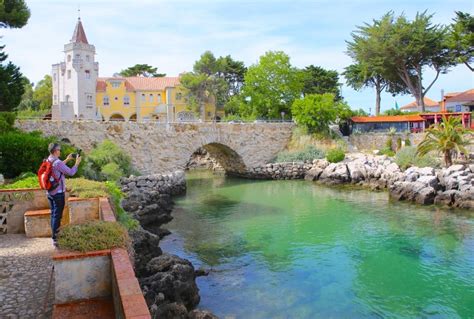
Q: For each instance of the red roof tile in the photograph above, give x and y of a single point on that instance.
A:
(465, 96)
(428, 102)
(140, 83)
(387, 118)
(79, 36)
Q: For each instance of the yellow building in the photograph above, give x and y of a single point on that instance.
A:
(144, 99)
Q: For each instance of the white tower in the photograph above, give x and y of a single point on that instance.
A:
(74, 80)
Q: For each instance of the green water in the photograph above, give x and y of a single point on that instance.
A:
(292, 249)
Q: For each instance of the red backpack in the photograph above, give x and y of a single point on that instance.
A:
(46, 178)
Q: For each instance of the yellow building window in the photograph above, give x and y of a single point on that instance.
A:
(105, 100)
(151, 98)
(143, 98)
(158, 98)
(126, 100)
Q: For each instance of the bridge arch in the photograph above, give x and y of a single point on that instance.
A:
(228, 158)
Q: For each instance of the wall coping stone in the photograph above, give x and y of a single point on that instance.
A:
(20, 190)
(64, 255)
(40, 212)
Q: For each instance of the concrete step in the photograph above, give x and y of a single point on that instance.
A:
(38, 223)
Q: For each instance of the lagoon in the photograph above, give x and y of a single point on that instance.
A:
(294, 249)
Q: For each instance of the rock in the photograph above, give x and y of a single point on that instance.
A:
(2, 179)
(464, 199)
(357, 171)
(445, 198)
(425, 196)
(201, 314)
(471, 168)
(146, 247)
(454, 168)
(173, 277)
(168, 310)
(313, 174)
(424, 171)
(201, 272)
(428, 180)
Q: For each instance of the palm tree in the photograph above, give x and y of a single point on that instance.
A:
(444, 138)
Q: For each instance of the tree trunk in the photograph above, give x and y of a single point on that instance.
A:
(419, 89)
(377, 97)
(447, 158)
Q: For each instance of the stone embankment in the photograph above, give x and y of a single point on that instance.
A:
(167, 281)
(453, 186)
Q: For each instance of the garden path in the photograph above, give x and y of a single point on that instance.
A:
(25, 270)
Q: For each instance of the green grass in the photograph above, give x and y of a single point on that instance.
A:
(123, 217)
(97, 235)
(85, 188)
(308, 154)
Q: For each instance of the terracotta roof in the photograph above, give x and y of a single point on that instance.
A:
(428, 102)
(465, 96)
(79, 36)
(387, 118)
(140, 83)
(152, 84)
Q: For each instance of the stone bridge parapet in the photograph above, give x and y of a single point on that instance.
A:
(162, 148)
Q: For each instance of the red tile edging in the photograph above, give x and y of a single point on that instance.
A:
(20, 190)
(39, 212)
(63, 255)
(106, 211)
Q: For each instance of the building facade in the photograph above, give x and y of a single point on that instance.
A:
(79, 92)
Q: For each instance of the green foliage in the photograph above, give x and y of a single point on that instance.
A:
(85, 188)
(141, 70)
(29, 113)
(271, 86)
(91, 236)
(308, 154)
(388, 143)
(123, 217)
(11, 83)
(7, 122)
(399, 143)
(26, 180)
(398, 50)
(317, 80)
(407, 157)
(387, 151)
(107, 162)
(407, 142)
(444, 138)
(461, 39)
(317, 111)
(13, 13)
(43, 94)
(394, 111)
(335, 155)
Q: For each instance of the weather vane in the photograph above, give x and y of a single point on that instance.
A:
(79, 11)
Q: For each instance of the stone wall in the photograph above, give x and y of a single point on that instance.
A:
(377, 141)
(162, 148)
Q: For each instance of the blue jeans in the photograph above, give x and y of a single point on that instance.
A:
(56, 202)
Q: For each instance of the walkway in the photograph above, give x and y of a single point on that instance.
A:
(25, 269)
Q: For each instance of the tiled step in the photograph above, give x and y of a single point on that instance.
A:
(102, 308)
(38, 223)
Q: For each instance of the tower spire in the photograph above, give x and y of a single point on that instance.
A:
(79, 35)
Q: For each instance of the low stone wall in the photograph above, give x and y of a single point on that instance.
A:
(290, 170)
(377, 141)
(13, 205)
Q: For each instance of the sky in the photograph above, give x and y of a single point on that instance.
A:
(171, 35)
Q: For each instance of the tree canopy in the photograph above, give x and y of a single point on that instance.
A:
(461, 39)
(317, 80)
(141, 70)
(400, 50)
(11, 84)
(271, 86)
(43, 93)
(13, 13)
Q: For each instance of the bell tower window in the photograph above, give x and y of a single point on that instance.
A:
(88, 74)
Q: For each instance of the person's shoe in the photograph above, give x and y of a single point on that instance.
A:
(55, 243)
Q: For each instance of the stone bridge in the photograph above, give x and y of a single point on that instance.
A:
(162, 148)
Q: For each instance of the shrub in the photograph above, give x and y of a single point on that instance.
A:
(123, 217)
(96, 235)
(406, 157)
(399, 143)
(107, 162)
(407, 142)
(7, 122)
(387, 151)
(85, 188)
(308, 154)
(25, 180)
(335, 155)
(388, 143)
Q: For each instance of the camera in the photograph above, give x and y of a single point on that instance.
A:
(78, 153)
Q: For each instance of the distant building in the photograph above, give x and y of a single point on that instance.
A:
(79, 92)
(430, 106)
(401, 123)
(459, 102)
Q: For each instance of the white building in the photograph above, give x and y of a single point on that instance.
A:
(74, 80)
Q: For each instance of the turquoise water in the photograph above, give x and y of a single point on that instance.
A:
(292, 249)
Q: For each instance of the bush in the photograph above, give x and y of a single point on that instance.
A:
(123, 217)
(23, 152)
(335, 155)
(407, 142)
(107, 162)
(7, 122)
(406, 157)
(85, 188)
(388, 143)
(308, 154)
(399, 143)
(26, 180)
(97, 235)
(387, 151)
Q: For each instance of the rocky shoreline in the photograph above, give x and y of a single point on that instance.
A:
(452, 186)
(167, 281)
